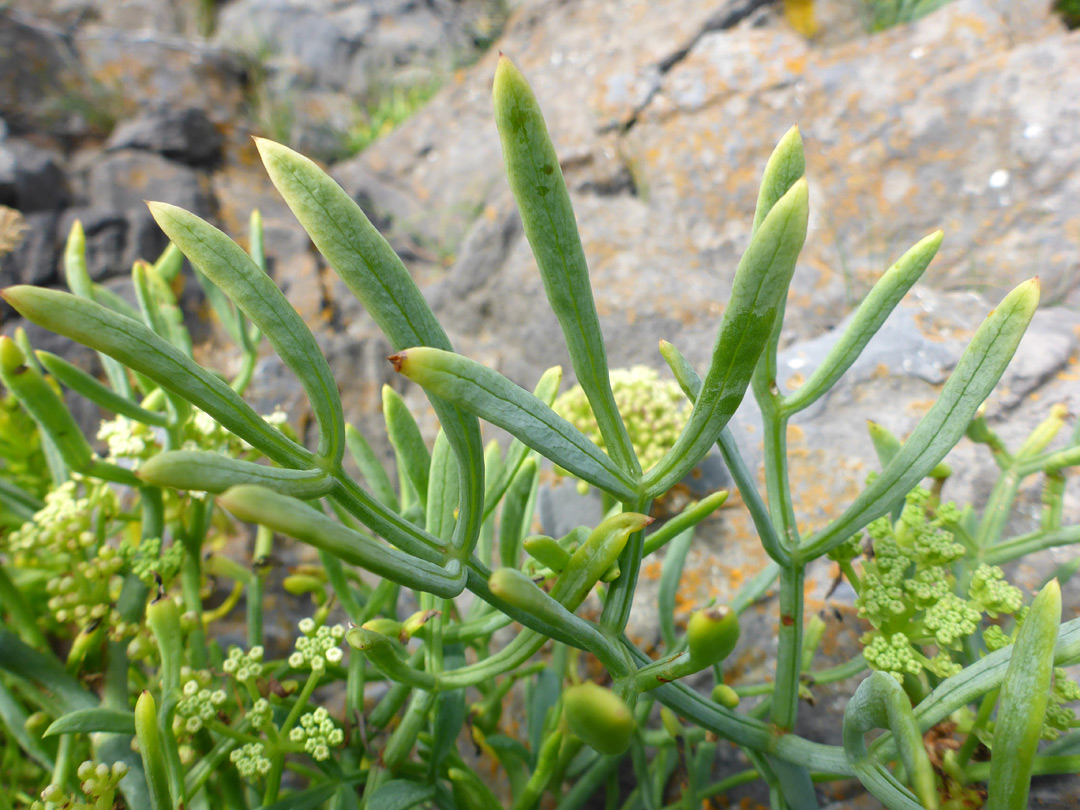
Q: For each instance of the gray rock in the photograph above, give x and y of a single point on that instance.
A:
(187, 136)
(120, 183)
(37, 258)
(130, 72)
(124, 180)
(31, 178)
(37, 77)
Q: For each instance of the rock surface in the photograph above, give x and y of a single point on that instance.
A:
(663, 121)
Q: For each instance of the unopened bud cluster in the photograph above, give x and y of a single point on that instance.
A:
(318, 733)
(251, 761)
(245, 667)
(198, 703)
(318, 646)
(98, 783)
(654, 411)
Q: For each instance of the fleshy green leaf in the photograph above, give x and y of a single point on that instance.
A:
(204, 471)
(226, 264)
(400, 794)
(82, 383)
(371, 468)
(413, 458)
(140, 349)
(975, 375)
(757, 298)
(495, 399)
(78, 281)
(377, 277)
(515, 513)
(868, 318)
(670, 574)
(295, 518)
(443, 493)
(46, 673)
(536, 180)
(89, 721)
(546, 390)
(880, 702)
(1022, 703)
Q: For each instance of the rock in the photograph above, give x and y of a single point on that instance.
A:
(348, 46)
(31, 178)
(121, 182)
(143, 71)
(124, 180)
(322, 63)
(37, 258)
(38, 79)
(186, 136)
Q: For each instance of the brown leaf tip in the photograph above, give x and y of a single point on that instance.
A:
(397, 360)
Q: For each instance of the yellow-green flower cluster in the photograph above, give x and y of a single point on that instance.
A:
(251, 760)
(64, 528)
(149, 562)
(654, 411)
(198, 703)
(128, 439)
(98, 782)
(907, 591)
(87, 592)
(318, 646)
(245, 667)
(318, 733)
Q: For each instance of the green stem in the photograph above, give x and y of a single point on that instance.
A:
(785, 706)
(620, 596)
(264, 539)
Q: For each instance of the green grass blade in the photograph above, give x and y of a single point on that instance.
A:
(138, 348)
(371, 270)
(975, 375)
(536, 180)
(226, 264)
(495, 399)
(757, 299)
(868, 318)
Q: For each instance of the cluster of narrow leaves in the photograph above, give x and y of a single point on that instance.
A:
(411, 566)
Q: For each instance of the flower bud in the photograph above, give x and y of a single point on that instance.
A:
(599, 717)
(547, 551)
(725, 696)
(712, 634)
